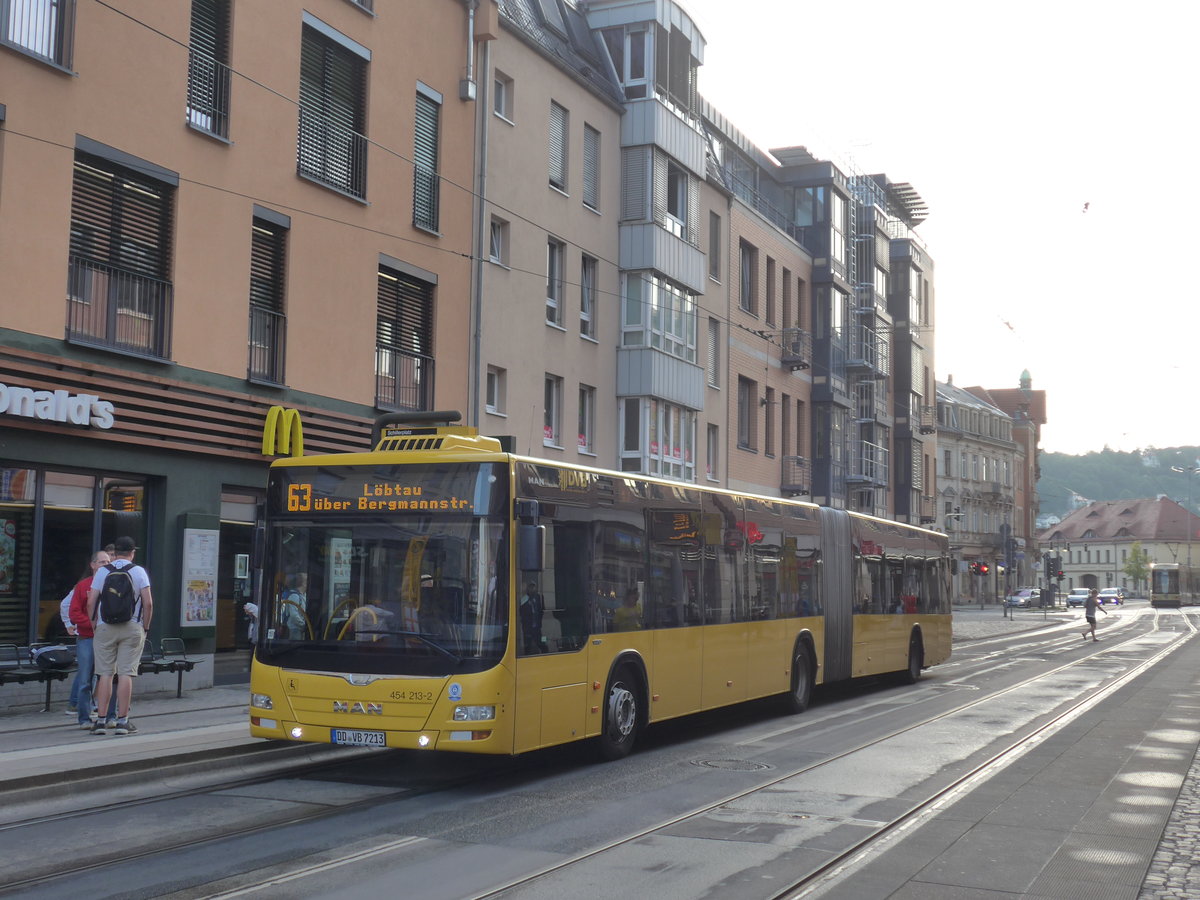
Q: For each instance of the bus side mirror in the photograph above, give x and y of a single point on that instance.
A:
(531, 547)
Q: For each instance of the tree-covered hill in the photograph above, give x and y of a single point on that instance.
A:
(1109, 475)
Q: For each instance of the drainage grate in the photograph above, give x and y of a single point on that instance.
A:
(737, 765)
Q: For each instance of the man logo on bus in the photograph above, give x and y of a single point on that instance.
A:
(370, 709)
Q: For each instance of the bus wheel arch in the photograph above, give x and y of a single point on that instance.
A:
(916, 656)
(804, 674)
(623, 711)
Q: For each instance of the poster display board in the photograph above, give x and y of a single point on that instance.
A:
(199, 588)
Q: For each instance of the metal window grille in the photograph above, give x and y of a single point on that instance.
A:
(41, 28)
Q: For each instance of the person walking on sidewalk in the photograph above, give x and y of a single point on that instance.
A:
(1089, 613)
(84, 633)
(122, 615)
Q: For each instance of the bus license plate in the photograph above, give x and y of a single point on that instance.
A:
(355, 738)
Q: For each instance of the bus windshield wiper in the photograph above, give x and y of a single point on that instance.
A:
(425, 639)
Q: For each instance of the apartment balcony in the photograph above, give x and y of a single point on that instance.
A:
(117, 309)
(928, 420)
(795, 476)
(869, 350)
(928, 509)
(868, 463)
(870, 401)
(797, 349)
(403, 380)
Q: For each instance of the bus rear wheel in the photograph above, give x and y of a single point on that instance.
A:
(802, 681)
(620, 714)
(916, 660)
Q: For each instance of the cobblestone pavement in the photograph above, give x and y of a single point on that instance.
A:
(1174, 872)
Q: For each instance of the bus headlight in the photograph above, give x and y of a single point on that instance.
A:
(261, 701)
(474, 713)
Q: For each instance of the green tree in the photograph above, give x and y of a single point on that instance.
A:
(1137, 567)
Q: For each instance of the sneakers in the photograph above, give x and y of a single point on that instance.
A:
(125, 727)
(93, 716)
(85, 726)
(71, 710)
(98, 727)
(110, 724)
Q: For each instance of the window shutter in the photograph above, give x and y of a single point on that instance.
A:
(332, 114)
(405, 313)
(119, 218)
(425, 159)
(634, 184)
(209, 28)
(591, 167)
(659, 198)
(693, 210)
(266, 266)
(558, 146)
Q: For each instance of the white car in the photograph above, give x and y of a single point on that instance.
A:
(1078, 596)
(1025, 597)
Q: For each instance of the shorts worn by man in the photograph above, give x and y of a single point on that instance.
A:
(118, 647)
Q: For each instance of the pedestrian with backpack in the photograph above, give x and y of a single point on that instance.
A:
(120, 604)
(84, 636)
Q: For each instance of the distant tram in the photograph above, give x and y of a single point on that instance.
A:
(1173, 585)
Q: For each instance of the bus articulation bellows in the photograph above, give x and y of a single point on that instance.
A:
(438, 592)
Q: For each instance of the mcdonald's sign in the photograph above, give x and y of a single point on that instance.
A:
(283, 435)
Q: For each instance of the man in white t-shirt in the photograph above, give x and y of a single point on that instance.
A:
(118, 646)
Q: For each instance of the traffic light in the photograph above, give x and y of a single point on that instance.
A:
(983, 568)
(1059, 575)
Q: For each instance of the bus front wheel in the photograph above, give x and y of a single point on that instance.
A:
(802, 681)
(620, 714)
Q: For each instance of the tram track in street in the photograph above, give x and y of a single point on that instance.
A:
(821, 876)
(294, 872)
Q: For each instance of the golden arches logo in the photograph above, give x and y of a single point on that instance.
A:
(283, 434)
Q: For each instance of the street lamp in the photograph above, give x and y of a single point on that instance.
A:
(1190, 470)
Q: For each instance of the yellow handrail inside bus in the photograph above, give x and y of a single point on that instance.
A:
(354, 617)
(349, 601)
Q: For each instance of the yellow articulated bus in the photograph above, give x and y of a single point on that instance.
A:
(438, 592)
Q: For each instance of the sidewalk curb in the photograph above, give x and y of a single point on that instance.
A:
(273, 757)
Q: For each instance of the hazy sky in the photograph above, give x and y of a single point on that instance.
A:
(1009, 120)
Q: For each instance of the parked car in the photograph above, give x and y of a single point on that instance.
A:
(1024, 598)
(1114, 596)
(1077, 597)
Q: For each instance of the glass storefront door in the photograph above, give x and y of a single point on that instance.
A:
(51, 521)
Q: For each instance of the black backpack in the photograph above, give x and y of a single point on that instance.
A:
(118, 599)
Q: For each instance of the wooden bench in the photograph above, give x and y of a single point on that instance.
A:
(17, 667)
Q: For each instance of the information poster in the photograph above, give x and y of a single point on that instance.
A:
(341, 555)
(199, 589)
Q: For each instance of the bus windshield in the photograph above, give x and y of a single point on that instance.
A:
(397, 570)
